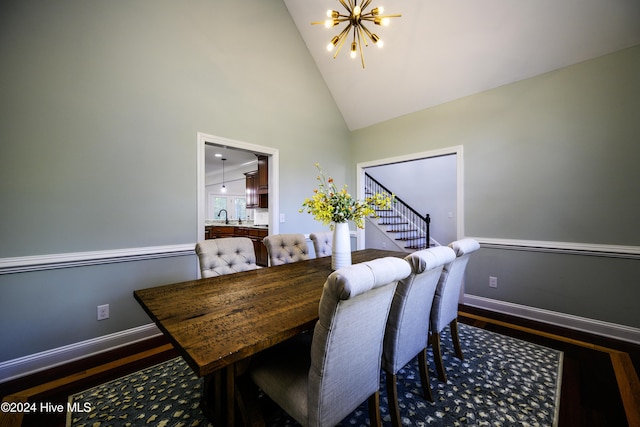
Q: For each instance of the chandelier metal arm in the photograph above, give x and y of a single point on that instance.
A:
(371, 17)
(349, 7)
(371, 36)
(365, 4)
(336, 21)
(358, 30)
(342, 37)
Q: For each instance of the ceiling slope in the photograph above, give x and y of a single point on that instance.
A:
(443, 50)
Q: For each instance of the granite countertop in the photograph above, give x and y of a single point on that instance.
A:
(234, 223)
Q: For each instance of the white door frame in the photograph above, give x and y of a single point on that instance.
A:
(457, 150)
(274, 173)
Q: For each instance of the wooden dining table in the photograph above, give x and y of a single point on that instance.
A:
(218, 323)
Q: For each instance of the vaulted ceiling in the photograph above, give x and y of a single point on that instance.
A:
(441, 50)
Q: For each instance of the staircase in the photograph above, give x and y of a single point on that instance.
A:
(401, 223)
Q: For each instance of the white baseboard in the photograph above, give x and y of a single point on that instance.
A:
(598, 327)
(37, 362)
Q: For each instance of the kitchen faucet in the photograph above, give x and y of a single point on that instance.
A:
(226, 218)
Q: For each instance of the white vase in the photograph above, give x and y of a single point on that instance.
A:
(341, 247)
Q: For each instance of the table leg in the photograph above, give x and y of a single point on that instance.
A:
(218, 397)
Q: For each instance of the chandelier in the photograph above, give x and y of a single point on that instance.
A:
(357, 15)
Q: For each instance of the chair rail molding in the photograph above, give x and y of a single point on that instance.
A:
(589, 249)
(77, 259)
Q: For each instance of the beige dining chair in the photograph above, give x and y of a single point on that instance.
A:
(407, 332)
(225, 256)
(445, 302)
(322, 243)
(321, 378)
(286, 248)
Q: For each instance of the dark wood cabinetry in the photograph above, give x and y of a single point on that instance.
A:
(257, 183)
(217, 231)
(255, 234)
(252, 189)
(263, 174)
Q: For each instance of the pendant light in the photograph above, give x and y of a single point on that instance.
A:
(223, 188)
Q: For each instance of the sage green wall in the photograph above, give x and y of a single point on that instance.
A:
(101, 102)
(552, 158)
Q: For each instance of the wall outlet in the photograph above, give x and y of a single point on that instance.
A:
(281, 217)
(103, 311)
(493, 282)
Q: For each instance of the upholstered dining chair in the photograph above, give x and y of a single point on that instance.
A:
(445, 302)
(286, 248)
(321, 378)
(407, 332)
(322, 243)
(225, 256)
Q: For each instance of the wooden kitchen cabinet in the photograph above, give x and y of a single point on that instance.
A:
(263, 174)
(257, 184)
(217, 231)
(255, 234)
(252, 189)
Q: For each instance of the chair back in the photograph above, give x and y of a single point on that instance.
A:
(228, 255)
(322, 243)
(445, 302)
(286, 248)
(407, 329)
(346, 349)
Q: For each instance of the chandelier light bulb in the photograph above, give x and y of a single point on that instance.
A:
(334, 41)
(378, 42)
(354, 46)
(385, 22)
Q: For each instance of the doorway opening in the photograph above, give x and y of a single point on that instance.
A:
(230, 144)
(455, 213)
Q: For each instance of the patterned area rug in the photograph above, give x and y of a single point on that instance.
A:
(502, 382)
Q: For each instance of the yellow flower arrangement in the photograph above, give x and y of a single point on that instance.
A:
(331, 206)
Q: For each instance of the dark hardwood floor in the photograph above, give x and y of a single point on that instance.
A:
(600, 385)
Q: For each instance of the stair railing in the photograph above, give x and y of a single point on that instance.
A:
(408, 224)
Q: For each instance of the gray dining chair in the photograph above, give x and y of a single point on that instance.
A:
(322, 243)
(445, 302)
(286, 248)
(407, 332)
(225, 256)
(321, 378)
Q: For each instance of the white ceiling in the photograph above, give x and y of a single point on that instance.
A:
(441, 50)
(236, 159)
